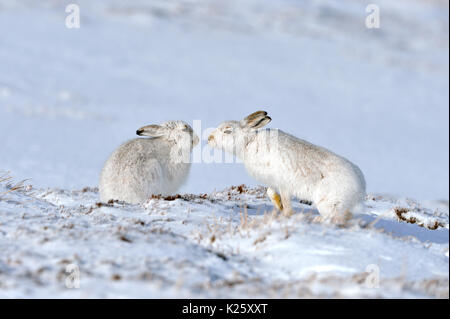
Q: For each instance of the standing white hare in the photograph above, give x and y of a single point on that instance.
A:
(145, 166)
(293, 167)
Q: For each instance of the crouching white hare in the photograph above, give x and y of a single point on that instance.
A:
(145, 166)
(291, 167)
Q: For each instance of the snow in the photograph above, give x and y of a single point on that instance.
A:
(227, 244)
(68, 97)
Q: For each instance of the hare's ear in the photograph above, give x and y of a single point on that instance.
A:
(256, 120)
(152, 130)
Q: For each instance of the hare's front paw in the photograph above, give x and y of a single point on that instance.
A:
(275, 198)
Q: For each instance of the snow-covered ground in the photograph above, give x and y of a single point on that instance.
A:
(68, 97)
(226, 244)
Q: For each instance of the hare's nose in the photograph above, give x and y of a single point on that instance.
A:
(210, 138)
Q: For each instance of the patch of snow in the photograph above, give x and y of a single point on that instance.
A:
(226, 244)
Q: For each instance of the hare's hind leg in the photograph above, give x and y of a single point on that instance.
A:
(287, 207)
(334, 212)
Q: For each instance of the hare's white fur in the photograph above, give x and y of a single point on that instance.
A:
(144, 166)
(293, 167)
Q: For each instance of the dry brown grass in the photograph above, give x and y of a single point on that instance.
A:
(401, 212)
(7, 180)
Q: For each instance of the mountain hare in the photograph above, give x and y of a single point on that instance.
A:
(290, 167)
(145, 166)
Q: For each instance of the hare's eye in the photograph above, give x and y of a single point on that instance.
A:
(227, 131)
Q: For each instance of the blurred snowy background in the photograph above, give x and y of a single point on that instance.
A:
(69, 97)
(380, 97)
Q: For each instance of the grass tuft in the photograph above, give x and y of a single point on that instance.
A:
(7, 181)
(402, 215)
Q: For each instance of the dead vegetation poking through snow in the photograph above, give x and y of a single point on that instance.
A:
(222, 244)
(407, 215)
(8, 185)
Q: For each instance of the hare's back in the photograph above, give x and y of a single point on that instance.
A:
(138, 150)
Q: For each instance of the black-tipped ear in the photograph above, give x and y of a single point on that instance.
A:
(152, 130)
(263, 122)
(256, 120)
(254, 116)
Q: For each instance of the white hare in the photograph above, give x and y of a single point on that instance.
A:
(145, 166)
(291, 167)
